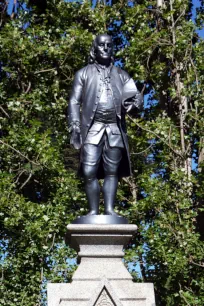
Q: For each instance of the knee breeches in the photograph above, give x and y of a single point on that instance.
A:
(92, 155)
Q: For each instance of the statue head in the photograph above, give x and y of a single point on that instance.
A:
(102, 50)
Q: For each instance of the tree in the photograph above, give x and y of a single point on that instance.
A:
(39, 196)
(164, 50)
(42, 46)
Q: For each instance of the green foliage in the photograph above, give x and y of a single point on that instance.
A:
(41, 47)
(165, 203)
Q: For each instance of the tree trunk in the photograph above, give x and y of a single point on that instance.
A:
(160, 3)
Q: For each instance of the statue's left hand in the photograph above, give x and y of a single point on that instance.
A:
(136, 102)
(129, 105)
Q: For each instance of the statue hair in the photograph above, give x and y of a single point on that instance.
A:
(92, 55)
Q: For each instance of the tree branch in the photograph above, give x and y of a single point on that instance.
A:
(17, 151)
(182, 14)
(180, 292)
(45, 70)
(17, 179)
(3, 110)
(28, 88)
(196, 264)
(143, 150)
(53, 241)
(26, 181)
(149, 131)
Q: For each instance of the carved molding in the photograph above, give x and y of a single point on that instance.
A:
(104, 295)
(104, 300)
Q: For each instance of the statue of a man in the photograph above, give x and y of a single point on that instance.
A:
(104, 93)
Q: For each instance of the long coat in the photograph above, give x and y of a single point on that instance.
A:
(85, 96)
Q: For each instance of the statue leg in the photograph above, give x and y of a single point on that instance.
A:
(111, 160)
(90, 164)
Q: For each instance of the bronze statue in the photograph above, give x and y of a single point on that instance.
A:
(104, 93)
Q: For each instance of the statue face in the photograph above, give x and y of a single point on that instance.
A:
(104, 49)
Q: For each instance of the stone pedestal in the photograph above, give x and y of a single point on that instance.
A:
(101, 278)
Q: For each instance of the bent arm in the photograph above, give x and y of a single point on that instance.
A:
(137, 101)
(131, 97)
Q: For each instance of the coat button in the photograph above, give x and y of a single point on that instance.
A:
(96, 103)
(91, 118)
(87, 125)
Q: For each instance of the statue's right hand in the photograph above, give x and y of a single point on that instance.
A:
(74, 126)
(76, 139)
